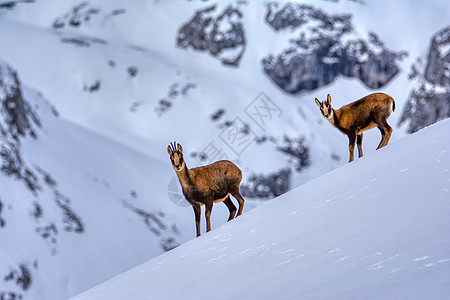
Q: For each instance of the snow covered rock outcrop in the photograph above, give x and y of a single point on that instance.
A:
(326, 47)
(18, 122)
(267, 185)
(430, 101)
(84, 14)
(17, 119)
(220, 34)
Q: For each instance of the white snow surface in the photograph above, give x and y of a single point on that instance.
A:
(107, 152)
(377, 228)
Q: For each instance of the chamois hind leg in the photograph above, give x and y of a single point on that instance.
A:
(236, 194)
(386, 132)
(359, 139)
(208, 209)
(351, 144)
(197, 212)
(231, 208)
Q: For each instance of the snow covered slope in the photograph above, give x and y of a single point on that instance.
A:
(87, 201)
(377, 228)
(89, 191)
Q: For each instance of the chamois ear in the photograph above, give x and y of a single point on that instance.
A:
(179, 148)
(318, 102)
(169, 150)
(329, 99)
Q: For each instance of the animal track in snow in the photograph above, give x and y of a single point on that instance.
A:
(421, 258)
(287, 251)
(342, 259)
(377, 266)
(245, 251)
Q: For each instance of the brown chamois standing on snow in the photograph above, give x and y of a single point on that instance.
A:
(207, 185)
(359, 116)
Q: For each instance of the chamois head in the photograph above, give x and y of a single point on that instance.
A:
(176, 156)
(325, 107)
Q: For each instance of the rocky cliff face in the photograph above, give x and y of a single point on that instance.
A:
(84, 14)
(267, 185)
(16, 120)
(326, 47)
(430, 101)
(220, 34)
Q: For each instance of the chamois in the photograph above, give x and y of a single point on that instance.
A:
(207, 185)
(355, 118)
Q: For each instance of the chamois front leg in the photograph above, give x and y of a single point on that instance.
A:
(359, 139)
(197, 212)
(208, 209)
(351, 145)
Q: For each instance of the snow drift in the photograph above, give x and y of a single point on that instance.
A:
(373, 229)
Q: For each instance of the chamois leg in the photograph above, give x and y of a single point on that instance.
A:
(386, 132)
(208, 209)
(231, 207)
(197, 212)
(359, 139)
(351, 145)
(236, 194)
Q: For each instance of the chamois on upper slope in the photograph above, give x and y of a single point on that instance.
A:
(359, 116)
(207, 185)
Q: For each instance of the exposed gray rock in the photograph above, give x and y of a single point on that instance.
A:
(15, 112)
(297, 151)
(79, 14)
(85, 14)
(17, 119)
(21, 276)
(267, 185)
(179, 89)
(217, 115)
(430, 101)
(438, 68)
(12, 4)
(325, 49)
(222, 35)
(154, 221)
(2, 220)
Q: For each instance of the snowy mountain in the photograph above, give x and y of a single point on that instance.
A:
(91, 93)
(72, 200)
(327, 46)
(374, 229)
